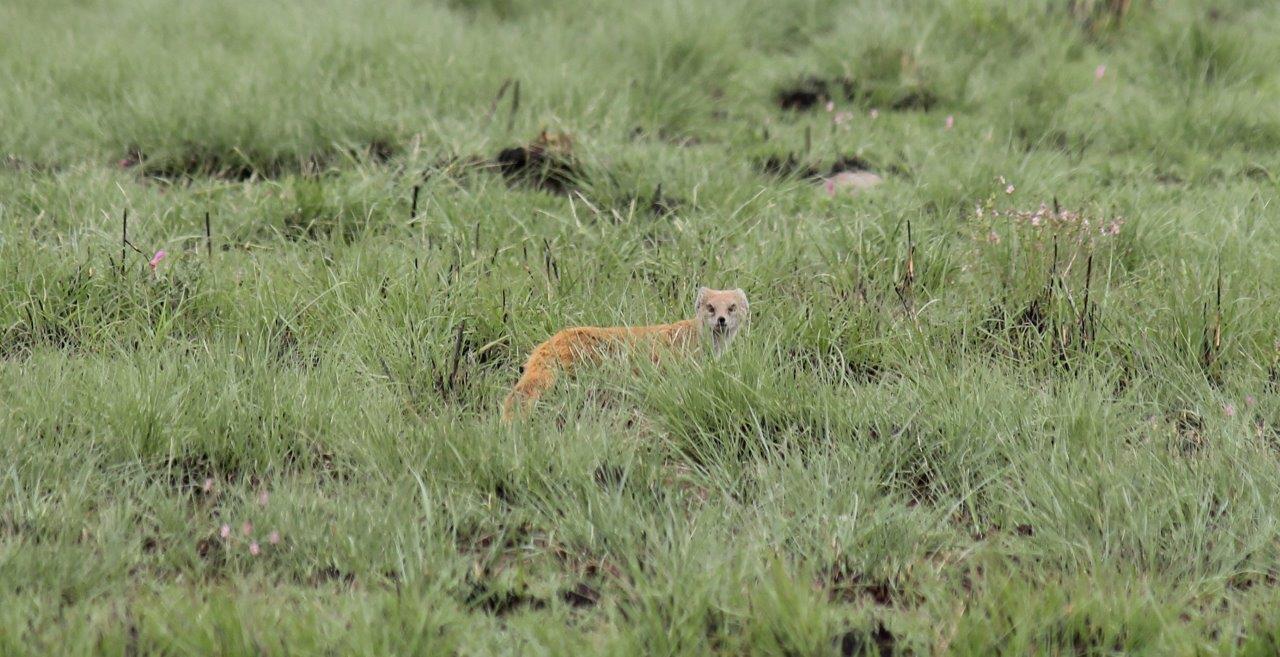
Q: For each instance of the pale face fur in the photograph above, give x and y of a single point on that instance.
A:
(721, 313)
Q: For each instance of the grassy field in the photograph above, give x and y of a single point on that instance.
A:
(1021, 398)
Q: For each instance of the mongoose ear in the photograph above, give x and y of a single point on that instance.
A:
(702, 296)
(743, 296)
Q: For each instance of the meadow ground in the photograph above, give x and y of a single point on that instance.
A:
(1021, 398)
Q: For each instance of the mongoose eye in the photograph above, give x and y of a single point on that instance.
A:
(711, 309)
(733, 307)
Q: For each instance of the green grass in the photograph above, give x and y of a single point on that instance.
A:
(970, 460)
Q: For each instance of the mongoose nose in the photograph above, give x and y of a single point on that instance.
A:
(722, 321)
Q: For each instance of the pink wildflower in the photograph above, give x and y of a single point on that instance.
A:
(274, 538)
(1008, 190)
(1250, 401)
(225, 531)
(254, 549)
(1100, 71)
(875, 114)
(155, 260)
(842, 118)
(208, 485)
(951, 122)
(831, 106)
(1229, 409)
(830, 186)
(263, 497)
(246, 528)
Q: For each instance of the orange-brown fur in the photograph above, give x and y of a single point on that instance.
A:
(571, 346)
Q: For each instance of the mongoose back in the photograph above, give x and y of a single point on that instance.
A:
(717, 317)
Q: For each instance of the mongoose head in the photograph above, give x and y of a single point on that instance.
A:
(721, 313)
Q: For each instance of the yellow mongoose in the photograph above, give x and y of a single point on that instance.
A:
(718, 314)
